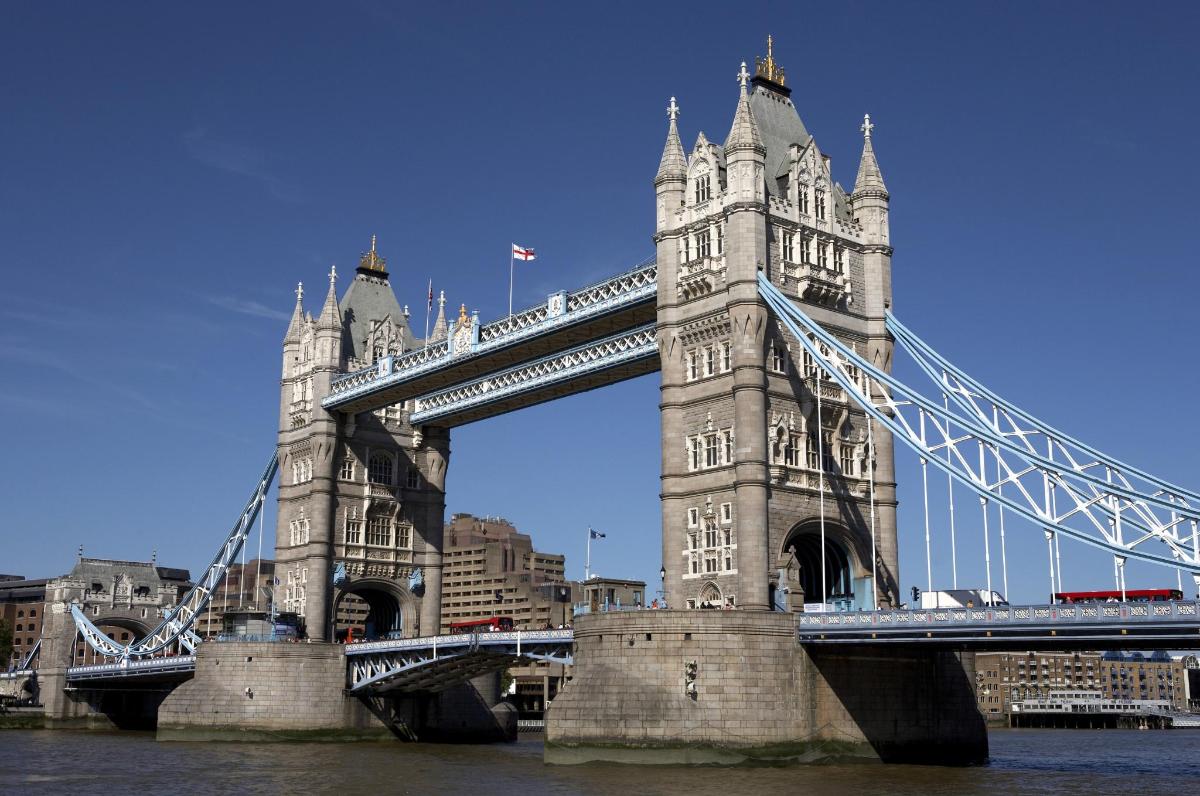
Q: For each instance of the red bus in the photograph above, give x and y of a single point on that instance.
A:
(1131, 595)
(493, 624)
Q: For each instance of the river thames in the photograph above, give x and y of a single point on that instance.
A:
(1022, 761)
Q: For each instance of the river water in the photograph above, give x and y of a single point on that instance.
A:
(1095, 763)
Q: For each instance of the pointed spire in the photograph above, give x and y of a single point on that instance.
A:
(371, 263)
(330, 317)
(439, 326)
(870, 178)
(744, 132)
(673, 165)
(294, 326)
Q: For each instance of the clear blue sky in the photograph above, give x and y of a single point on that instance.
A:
(169, 172)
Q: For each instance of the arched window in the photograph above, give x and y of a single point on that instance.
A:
(20, 614)
(20, 626)
(380, 471)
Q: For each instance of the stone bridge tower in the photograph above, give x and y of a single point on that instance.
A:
(763, 504)
(361, 498)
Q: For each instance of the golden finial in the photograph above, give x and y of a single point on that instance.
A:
(462, 314)
(371, 260)
(768, 68)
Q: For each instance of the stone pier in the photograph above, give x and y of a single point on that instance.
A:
(754, 694)
(273, 691)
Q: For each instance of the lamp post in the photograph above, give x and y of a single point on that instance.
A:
(662, 576)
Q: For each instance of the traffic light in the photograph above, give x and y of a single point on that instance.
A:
(916, 593)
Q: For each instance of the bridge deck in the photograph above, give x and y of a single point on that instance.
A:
(1091, 626)
(615, 305)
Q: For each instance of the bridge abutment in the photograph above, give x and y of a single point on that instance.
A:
(754, 694)
(282, 692)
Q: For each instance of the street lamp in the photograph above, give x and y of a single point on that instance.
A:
(662, 576)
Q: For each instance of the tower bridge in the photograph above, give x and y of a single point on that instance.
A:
(767, 309)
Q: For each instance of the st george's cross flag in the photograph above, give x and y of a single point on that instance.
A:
(521, 253)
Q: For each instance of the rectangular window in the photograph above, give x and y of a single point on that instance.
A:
(703, 188)
(353, 531)
(726, 357)
(347, 471)
(778, 357)
(710, 360)
(728, 563)
(710, 563)
(727, 447)
(728, 536)
(403, 536)
(694, 541)
(795, 450)
(839, 259)
(789, 247)
(379, 531)
(727, 514)
(693, 453)
(821, 205)
(823, 254)
(720, 239)
(806, 249)
(710, 536)
(695, 571)
(704, 244)
(413, 479)
(802, 198)
(846, 460)
(811, 454)
(693, 366)
(711, 455)
(693, 517)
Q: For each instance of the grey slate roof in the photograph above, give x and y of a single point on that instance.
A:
(369, 298)
(779, 127)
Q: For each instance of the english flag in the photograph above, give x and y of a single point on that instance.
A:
(520, 253)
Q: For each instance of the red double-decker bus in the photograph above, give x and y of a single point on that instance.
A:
(1130, 595)
(493, 624)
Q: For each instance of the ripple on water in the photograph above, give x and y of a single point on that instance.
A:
(1023, 761)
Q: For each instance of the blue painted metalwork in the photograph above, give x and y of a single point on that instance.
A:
(436, 662)
(1177, 622)
(147, 667)
(594, 357)
(897, 396)
(176, 625)
(635, 286)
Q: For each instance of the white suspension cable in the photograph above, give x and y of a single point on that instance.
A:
(983, 505)
(874, 556)
(821, 484)
(1003, 544)
(950, 493)
(258, 566)
(925, 494)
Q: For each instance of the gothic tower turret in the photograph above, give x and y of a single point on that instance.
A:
(765, 488)
(361, 498)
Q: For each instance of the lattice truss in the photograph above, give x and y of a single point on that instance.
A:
(1007, 457)
(434, 663)
(614, 292)
(177, 622)
(564, 366)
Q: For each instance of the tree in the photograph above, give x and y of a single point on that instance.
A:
(6, 643)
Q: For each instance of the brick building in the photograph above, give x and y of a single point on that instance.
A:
(1002, 677)
(22, 607)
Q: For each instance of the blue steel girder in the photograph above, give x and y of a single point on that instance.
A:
(613, 305)
(595, 364)
(1054, 495)
(435, 663)
(177, 622)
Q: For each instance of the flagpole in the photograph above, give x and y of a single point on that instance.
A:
(587, 566)
(428, 307)
(511, 261)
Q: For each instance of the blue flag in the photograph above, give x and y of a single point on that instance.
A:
(596, 534)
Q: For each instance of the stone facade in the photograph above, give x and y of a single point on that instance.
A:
(751, 478)
(362, 496)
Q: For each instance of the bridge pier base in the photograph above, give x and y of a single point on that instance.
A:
(755, 694)
(274, 691)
